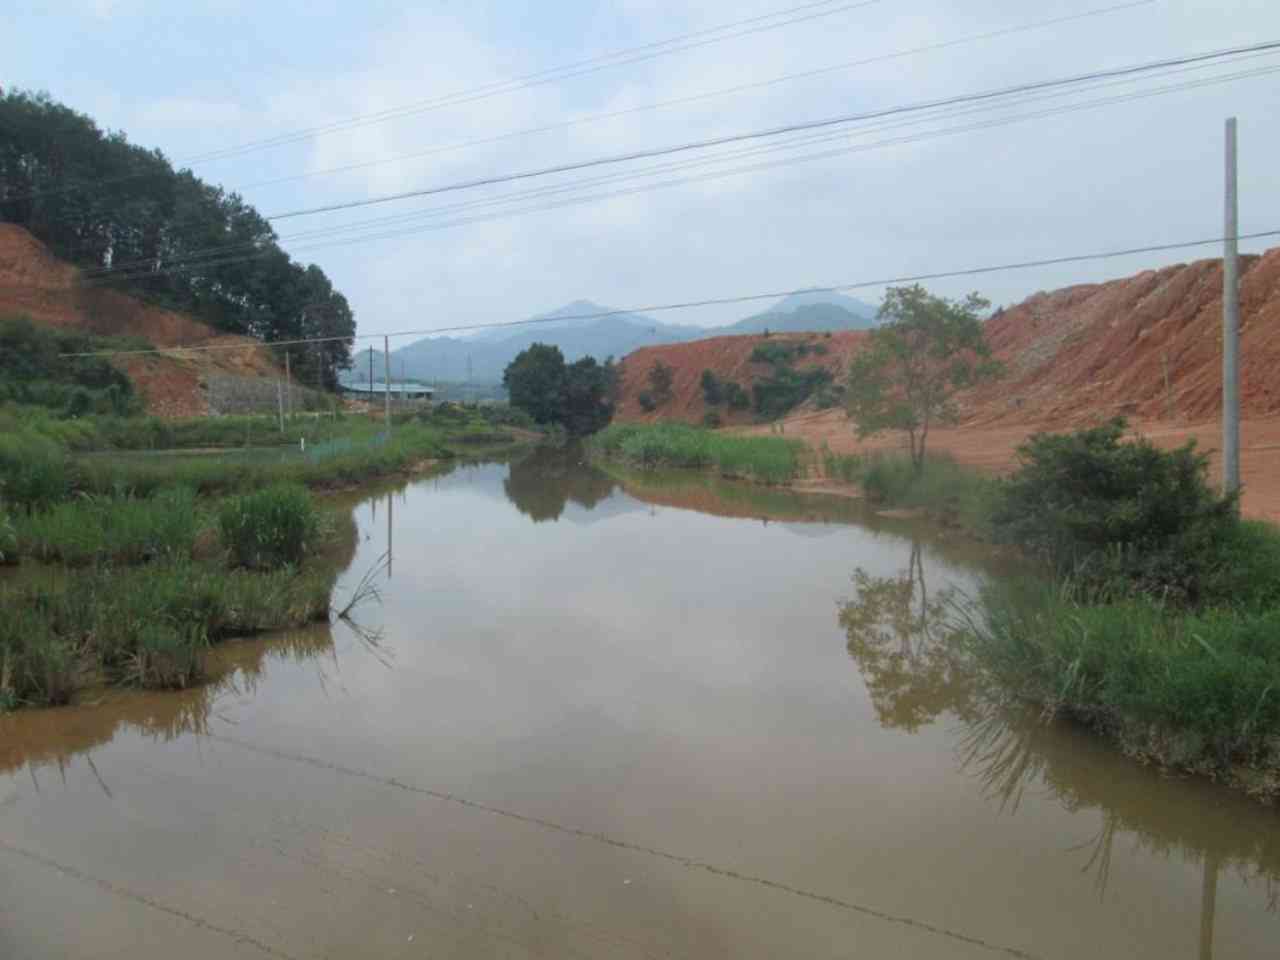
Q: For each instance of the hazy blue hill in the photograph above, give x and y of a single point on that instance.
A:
(578, 332)
(795, 300)
(489, 352)
(813, 317)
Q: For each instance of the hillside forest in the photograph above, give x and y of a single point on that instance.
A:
(133, 222)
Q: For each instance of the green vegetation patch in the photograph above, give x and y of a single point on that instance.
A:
(950, 492)
(1121, 515)
(764, 459)
(1198, 691)
(270, 528)
(147, 625)
(119, 529)
(34, 370)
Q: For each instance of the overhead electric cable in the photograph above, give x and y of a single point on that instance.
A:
(768, 132)
(708, 302)
(697, 97)
(753, 25)
(217, 256)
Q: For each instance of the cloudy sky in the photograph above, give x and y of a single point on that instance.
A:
(203, 76)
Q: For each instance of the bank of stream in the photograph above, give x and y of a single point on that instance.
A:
(607, 715)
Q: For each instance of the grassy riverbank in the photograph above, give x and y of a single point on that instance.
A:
(947, 491)
(133, 563)
(1155, 613)
(646, 446)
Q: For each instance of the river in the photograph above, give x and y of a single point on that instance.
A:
(599, 717)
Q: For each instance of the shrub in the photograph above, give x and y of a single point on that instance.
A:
(1118, 515)
(829, 395)
(781, 352)
(786, 389)
(646, 401)
(661, 379)
(712, 419)
(8, 538)
(33, 371)
(273, 527)
(736, 397)
(33, 470)
(712, 389)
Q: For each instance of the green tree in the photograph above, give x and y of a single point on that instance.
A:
(575, 395)
(661, 379)
(133, 223)
(925, 349)
(712, 389)
(585, 404)
(535, 382)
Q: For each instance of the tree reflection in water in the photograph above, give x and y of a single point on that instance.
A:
(541, 484)
(906, 643)
(898, 635)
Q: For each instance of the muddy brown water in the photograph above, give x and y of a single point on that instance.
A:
(590, 718)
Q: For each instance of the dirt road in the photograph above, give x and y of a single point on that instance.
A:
(992, 447)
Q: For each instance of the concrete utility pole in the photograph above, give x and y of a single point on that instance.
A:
(1231, 327)
(386, 370)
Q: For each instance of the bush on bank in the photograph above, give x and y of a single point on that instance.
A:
(272, 527)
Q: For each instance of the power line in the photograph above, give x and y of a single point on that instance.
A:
(792, 15)
(775, 131)
(752, 25)
(709, 302)
(679, 101)
(1004, 31)
(707, 95)
(213, 256)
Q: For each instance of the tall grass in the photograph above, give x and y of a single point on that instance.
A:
(228, 473)
(769, 459)
(1199, 691)
(119, 529)
(33, 469)
(146, 625)
(272, 527)
(954, 493)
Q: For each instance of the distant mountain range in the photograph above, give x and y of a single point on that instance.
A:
(482, 357)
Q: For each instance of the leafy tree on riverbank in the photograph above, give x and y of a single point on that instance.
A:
(925, 350)
(576, 395)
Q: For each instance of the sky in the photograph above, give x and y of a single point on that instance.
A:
(207, 75)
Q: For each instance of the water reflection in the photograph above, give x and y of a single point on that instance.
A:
(52, 737)
(898, 635)
(543, 483)
(901, 636)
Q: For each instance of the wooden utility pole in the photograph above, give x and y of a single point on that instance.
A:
(1168, 390)
(1231, 326)
(288, 380)
(386, 375)
(280, 403)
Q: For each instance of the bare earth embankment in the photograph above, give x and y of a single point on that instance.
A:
(1148, 347)
(36, 284)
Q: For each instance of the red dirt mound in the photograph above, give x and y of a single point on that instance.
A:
(729, 358)
(1100, 349)
(36, 283)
